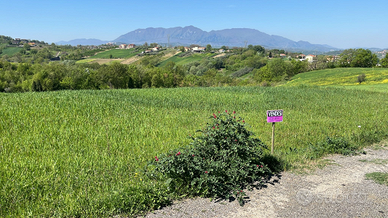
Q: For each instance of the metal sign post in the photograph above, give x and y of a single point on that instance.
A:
(274, 116)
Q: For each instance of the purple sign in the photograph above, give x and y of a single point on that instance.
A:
(274, 116)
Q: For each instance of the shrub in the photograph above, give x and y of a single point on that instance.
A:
(361, 78)
(222, 161)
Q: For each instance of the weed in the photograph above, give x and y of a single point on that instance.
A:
(378, 177)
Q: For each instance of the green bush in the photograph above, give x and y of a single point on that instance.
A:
(222, 161)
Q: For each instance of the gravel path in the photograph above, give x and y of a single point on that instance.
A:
(338, 190)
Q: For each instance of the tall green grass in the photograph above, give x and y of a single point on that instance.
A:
(79, 153)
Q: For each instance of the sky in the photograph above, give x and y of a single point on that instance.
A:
(338, 23)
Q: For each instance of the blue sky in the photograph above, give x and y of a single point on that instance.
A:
(339, 23)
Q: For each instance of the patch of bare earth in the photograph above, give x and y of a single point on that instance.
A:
(131, 60)
(169, 55)
(337, 190)
(219, 55)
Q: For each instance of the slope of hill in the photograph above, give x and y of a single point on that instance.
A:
(228, 37)
(376, 78)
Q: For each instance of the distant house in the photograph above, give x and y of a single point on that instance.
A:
(122, 46)
(221, 50)
(198, 49)
(147, 51)
(31, 43)
(310, 58)
(333, 58)
(131, 46)
(283, 55)
(155, 49)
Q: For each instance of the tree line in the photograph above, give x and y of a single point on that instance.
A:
(44, 75)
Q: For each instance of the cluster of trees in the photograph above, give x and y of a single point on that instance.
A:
(358, 58)
(384, 61)
(279, 69)
(23, 77)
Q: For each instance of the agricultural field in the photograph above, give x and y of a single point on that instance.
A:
(187, 59)
(80, 153)
(11, 51)
(116, 53)
(342, 77)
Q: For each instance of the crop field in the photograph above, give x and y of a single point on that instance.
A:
(185, 60)
(11, 51)
(80, 153)
(116, 53)
(85, 61)
(341, 77)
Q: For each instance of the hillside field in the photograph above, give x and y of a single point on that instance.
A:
(11, 51)
(343, 77)
(116, 53)
(185, 60)
(80, 153)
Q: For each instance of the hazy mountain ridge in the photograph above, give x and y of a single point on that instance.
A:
(228, 37)
(217, 38)
(75, 42)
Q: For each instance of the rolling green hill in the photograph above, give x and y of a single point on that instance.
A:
(376, 78)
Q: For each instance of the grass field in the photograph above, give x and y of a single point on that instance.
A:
(116, 53)
(341, 77)
(185, 60)
(85, 61)
(79, 153)
(374, 87)
(11, 51)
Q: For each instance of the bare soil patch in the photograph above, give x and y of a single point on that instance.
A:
(131, 60)
(219, 55)
(338, 190)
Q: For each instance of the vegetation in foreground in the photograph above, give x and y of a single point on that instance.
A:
(79, 153)
(220, 163)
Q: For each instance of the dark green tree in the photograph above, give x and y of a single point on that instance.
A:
(384, 61)
(208, 48)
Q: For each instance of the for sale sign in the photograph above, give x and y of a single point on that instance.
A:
(274, 116)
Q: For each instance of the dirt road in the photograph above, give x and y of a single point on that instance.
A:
(338, 190)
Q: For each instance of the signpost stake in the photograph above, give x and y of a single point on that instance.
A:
(273, 137)
(274, 116)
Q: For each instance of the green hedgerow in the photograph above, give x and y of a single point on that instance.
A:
(222, 161)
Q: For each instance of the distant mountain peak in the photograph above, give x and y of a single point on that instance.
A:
(229, 37)
(82, 41)
(193, 35)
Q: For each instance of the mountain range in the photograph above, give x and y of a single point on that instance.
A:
(192, 35)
